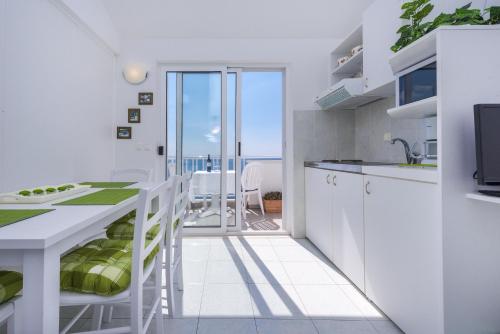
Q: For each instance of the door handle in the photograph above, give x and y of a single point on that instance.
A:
(366, 188)
(334, 180)
(239, 149)
(328, 179)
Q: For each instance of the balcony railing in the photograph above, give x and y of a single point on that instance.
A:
(194, 164)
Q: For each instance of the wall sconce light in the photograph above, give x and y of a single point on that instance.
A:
(135, 74)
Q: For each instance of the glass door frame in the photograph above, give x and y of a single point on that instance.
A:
(223, 70)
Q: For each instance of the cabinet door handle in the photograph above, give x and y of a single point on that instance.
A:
(334, 180)
(366, 188)
(328, 179)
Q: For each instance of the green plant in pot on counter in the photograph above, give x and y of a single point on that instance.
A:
(417, 10)
(25, 193)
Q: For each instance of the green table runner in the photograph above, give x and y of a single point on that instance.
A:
(107, 184)
(102, 197)
(8, 217)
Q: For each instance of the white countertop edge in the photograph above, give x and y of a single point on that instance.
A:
(428, 175)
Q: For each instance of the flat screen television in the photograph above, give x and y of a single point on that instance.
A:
(487, 125)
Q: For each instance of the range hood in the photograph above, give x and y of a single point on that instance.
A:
(346, 94)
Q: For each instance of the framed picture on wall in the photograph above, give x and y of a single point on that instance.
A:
(134, 115)
(145, 99)
(124, 132)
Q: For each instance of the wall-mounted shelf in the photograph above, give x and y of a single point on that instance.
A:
(355, 38)
(420, 109)
(483, 198)
(414, 53)
(353, 66)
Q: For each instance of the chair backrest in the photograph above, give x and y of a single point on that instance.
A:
(180, 204)
(251, 178)
(171, 169)
(132, 174)
(163, 195)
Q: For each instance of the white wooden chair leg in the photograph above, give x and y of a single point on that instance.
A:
(170, 294)
(97, 317)
(261, 203)
(11, 325)
(108, 314)
(159, 308)
(244, 206)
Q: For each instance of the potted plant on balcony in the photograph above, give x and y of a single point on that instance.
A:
(272, 202)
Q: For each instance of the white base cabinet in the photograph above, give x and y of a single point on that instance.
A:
(403, 243)
(334, 219)
(319, 200)
(348, 226)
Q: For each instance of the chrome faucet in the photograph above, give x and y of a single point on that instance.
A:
(410, 157)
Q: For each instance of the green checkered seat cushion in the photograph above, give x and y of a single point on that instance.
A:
(123, 228)
(102, 267)
(11, 283)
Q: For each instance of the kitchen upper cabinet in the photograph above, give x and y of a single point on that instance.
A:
(380, 23)
(403, 261)
(319, 200)
(348, 226)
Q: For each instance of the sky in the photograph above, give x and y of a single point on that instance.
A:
(261, 108)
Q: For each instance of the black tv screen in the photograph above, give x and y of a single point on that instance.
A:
(487, 125)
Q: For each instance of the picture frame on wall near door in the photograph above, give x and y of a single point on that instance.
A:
(134, 115)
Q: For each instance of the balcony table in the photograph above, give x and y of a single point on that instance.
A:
(36, 245)
(208, 183)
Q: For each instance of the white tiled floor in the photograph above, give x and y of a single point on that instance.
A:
(263, 284)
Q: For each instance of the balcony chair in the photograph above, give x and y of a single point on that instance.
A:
(251, 180)
(132, 175)
(108, 272)
(11, 283)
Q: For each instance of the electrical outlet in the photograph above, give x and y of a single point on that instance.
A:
(387, 136)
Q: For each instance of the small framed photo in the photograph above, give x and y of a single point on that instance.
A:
(134, 115)
(124, 132)
(145, 99)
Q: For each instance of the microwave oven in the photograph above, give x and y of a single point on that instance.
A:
(417, 82)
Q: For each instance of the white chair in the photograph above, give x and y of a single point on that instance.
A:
(173, 242)
(132, 174)
(251, 180)
(139, 274)
(9, 312)
(171, 169)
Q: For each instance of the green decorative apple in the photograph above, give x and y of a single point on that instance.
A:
(25, 193)
(62, 188)
(50, 190)
(38, 191)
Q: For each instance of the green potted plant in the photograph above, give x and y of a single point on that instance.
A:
(273, 202)
(415, 11)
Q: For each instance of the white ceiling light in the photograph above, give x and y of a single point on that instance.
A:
(135, 73)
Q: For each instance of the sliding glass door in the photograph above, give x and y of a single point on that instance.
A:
(201, 132)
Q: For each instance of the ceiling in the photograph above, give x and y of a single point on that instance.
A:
(235, 18)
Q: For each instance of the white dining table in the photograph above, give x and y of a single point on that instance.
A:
(209, 184)
(36, 244)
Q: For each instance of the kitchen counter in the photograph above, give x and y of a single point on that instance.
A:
(421, 174)
(350, 166)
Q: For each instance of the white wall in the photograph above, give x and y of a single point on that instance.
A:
(57, 98)
(96, 17)
(471, 229)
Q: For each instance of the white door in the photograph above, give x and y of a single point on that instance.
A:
(197, 105)
(348, 226)
(319, 199)
(403, 252)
